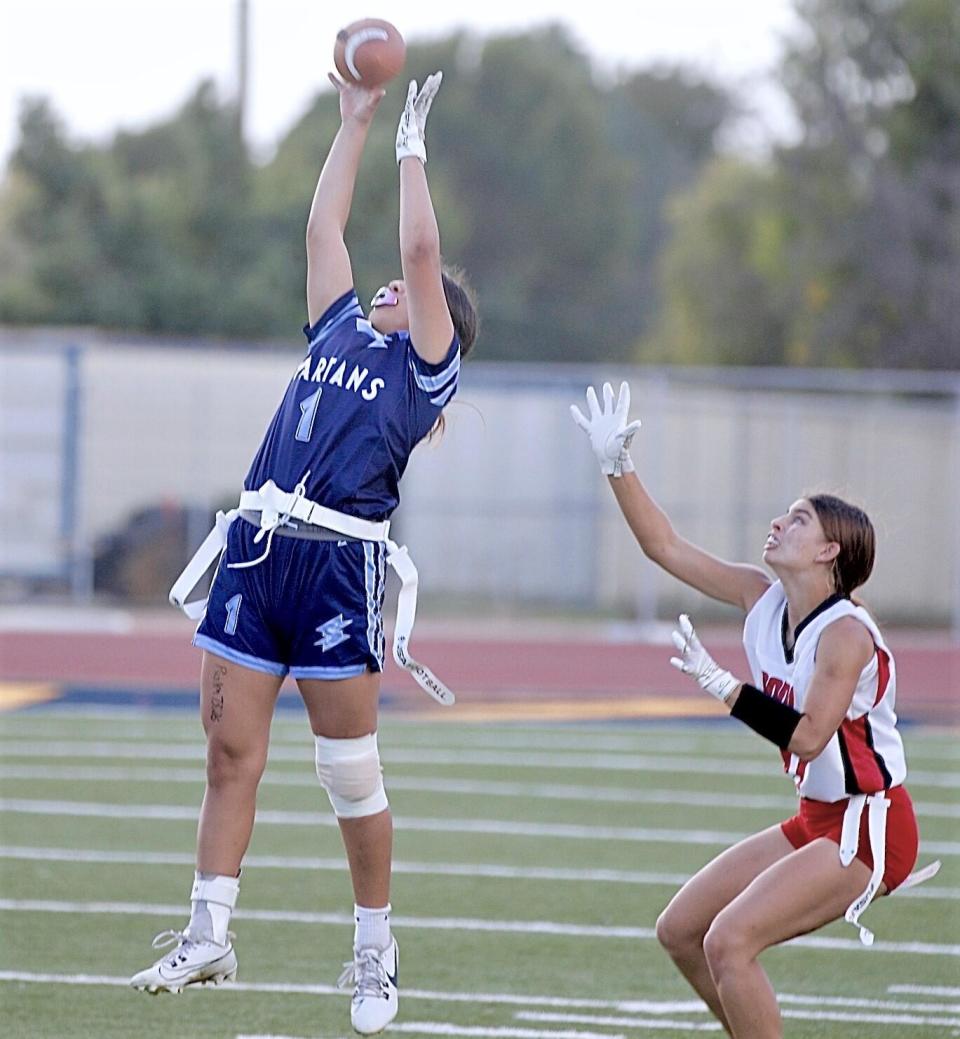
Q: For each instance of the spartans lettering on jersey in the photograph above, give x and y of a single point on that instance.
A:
(778, 689)
(328, 372)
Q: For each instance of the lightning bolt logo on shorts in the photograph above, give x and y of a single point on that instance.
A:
(332, 633)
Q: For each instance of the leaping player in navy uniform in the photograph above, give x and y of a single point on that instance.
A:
(823, 686)
(299, 586)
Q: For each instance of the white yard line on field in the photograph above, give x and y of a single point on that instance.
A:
(500, 827)
(493, 1031)
(679, 737)
(293, 862)
(853, 1002)
(467, 787)
(473, 1031)
(490, 736)
(281, 817)
(947, 991)
(802, 1015)
(432, 756)
(875, 1019)
(634, 1007)
(433, 923)
(623, 1006)
(440, 869)
(436, 784)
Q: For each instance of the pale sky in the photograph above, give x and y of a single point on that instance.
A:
(107, 64)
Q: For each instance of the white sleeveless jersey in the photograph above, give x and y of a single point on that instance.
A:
(865, 754)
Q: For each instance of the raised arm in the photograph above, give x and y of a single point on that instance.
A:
(431, 327)
(329, 274)
(610, 434)
(740, 584)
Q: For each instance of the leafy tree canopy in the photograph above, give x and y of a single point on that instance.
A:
(845, 248)
(549, 188)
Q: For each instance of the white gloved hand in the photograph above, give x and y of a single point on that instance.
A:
(695, 661)
(610, 433)
(413, 120)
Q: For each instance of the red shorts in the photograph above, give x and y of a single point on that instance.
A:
(823, 819)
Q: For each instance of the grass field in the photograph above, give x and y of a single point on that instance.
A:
(531, 864)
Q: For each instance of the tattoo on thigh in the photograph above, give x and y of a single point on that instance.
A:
(216, 701)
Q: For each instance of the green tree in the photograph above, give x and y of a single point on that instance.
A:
(51, 198)
(147, 234)
(864, 210)
(729, 239)
(550, 187)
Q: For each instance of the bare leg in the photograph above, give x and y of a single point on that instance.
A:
(798, 894)
(236, 706)
(685, 922)
(345, 709)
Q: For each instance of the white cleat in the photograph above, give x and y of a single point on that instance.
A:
(192, 962)
(373, 973)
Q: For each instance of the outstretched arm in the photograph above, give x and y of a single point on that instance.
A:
(329, 274)
(431, 327)
(610, 434)
(740, 584)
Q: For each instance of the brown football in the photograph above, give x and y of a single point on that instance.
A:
(369, 52)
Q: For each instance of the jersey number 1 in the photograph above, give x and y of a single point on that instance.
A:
(233, 614)
(308, 412)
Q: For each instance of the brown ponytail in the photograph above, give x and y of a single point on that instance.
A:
(462, 304)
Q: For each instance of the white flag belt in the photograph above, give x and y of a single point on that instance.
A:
(876, 805)
(271, 502)
(849, 842)
(277, 508)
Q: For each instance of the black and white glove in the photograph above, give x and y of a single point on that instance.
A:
(411, 133)
(609, 432)
(695, 661)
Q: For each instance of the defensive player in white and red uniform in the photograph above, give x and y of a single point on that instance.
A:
(823, 690)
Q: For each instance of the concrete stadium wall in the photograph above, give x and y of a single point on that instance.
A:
(507, 507)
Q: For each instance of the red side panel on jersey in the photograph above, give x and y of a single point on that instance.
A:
(883, 675)
(799, 770)
(861, 770)
(864, 769)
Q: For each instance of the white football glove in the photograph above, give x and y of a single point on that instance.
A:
(610, 433)
(413, 120)
(695, 661)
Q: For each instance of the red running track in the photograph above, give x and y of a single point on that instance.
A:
(482, 669)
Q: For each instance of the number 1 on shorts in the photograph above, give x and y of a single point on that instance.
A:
(233, 612)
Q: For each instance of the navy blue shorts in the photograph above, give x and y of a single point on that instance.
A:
(312, 608)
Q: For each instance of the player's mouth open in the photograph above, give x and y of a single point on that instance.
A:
(385, 297)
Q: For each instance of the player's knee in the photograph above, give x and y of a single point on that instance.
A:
(667, 934)
(723, 945)
(229, 764)
(675, 932)
(349, 770)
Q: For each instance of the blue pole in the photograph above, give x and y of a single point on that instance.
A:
(76, 565)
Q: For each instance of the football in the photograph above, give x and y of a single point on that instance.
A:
(369, 52)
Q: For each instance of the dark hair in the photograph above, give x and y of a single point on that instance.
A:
(462, 304)
(851, 529)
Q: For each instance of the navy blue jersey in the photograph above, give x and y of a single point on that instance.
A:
(356, 407)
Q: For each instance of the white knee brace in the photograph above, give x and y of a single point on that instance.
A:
(349, 771)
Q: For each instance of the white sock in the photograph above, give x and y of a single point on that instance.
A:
(372, 927)
(209, 918)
